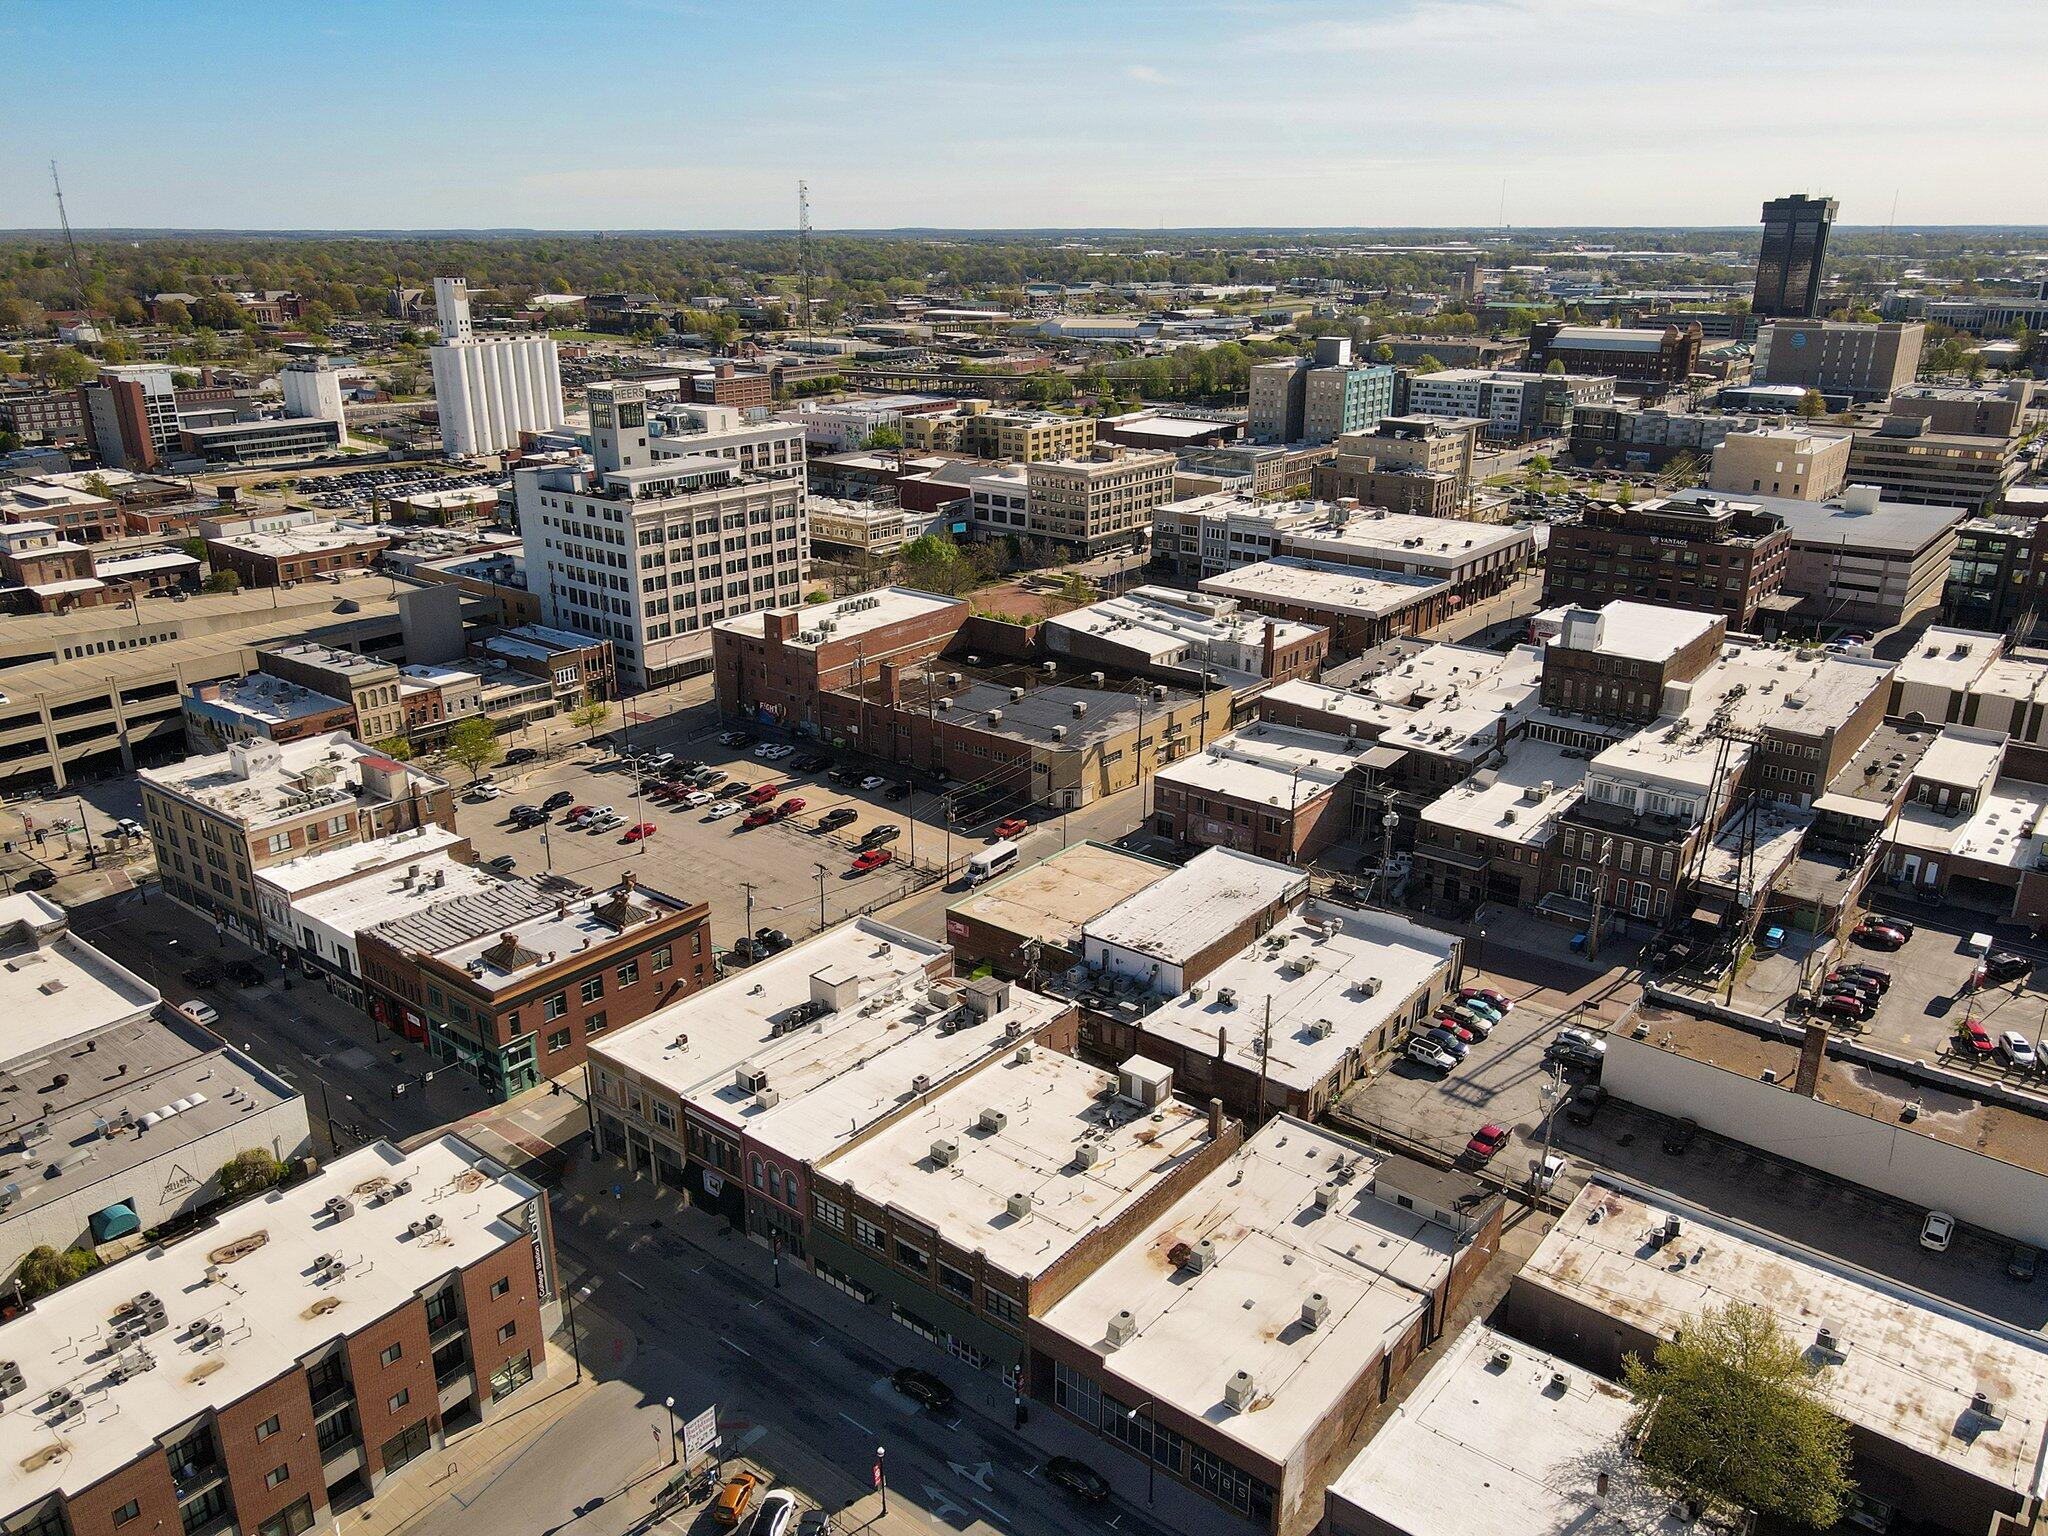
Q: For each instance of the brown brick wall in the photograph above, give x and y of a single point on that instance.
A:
(294, 1446)
(376, 1383)
(519, 1306)
(147, 1480)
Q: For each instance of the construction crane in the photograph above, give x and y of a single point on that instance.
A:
(70, 244)
(803, 248)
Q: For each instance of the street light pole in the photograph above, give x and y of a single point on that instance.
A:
(821, 894)
(1131, 1416)
(882, 1475)
(670, 1404)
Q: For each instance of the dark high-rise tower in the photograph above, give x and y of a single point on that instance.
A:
(1788, 268)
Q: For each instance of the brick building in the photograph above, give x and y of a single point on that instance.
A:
(1720, 557)
(295, 554)
(777, 664)
(514, 983)
(1638, 360)
(276, 1366)
(1274, 790)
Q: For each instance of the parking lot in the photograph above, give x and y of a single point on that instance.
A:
(761, 877)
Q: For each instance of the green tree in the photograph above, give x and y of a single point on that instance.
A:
(14, 313)
(590, 715)
(195, 547)
(63, 367)
(1812, 405)
(1727, 1413)
(175, 314)
(249, 1173)
(1624, 495)
(398, 748)
(1383, 353)
(1429, 362)
(129, 311)
(474, 744)
(222, 581)
(1555, 368)
(884, 436)
(1541, 463)
(98, 485)
(44, 1269)
(217, 312)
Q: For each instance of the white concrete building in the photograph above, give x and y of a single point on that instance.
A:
(490, 389)
(650, 546)
(312, 388)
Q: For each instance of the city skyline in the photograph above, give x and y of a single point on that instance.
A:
(667, 115)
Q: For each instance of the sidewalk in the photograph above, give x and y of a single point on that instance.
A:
(436, 1474)
(1172, 1507)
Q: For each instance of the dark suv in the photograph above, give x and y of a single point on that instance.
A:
(1078, 1478)
(922, 1387)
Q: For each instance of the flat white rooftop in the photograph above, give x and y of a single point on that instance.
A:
(1335, 589)
(264, 781)
(1908, 1363)
(1949, 658)
(316, 869)
(267, 699)
(1488, 1443)
(1519, 801)
(1197, 905)
(55, 987)
(312, 539)
(274, 1312)
(1441, 543)
(392, 890)
(1167, 627)
(1278, 765)
(1374, 1263)
(1356, 970)
(1963, 756)
(704, 1036)
(1633, 631)
(850, 616)
(1047, 1107)
(1052, 900)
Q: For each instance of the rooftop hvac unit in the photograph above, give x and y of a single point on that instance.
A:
(340, 1208)
(1238, 1391)
(1326, 1196)
(1087, 1155)
(995, 717)
(1201, 1257)
(1123, 1328)
(1559, 1382)
(767, 1098)
(749, 1078)
(1051, 669)
(1369, 986)
(1016, 694)
(1059, 733)
(1321, 1029)
(1985, 1407)
(10, 1379)
(1096, 678)
(1226, 997)
(994, 1121)
(945, 704)
(945, 1153)
(1500, 1360)
(1024, 1053)
(921, 1083)
(1315, 1311)
(1019, 1206)
(1828, 1341)
(1080, 708)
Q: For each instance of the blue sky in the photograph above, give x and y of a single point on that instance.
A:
(678, 114)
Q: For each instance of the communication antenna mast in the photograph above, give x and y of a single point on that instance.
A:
(70, 245)
(803, 246)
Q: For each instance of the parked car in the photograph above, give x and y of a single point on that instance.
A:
(1585, 1103)
(484, 790)
(734, 1499)
(814, 1522)
(1860, 1007)
(733, 738)
(922, 1387)
(2021, 1263)
(202, 976)
(776, 1516)
(695, 798)
(760, 816)
(1547, 1175)
(1448, 1041)
(747, 950)
(244, 973)
(1486, 1141)
(1938, 1231)
(557, 800)
(1974, 1038)
(639, 833)
(2001, 966)
(874, 837)
(871, 859)
(736, 791)
(723, 809)
(520, 755)
(503, 864)
(761, 794)
(773, 939)
(1078, 1478)
(810, 762)
(766, 751)
(658, 760)
(832, 820)
(1451, 1024)
(1903, 925)
(605, 821)
(1878, 936)
(2017, 1050)
(128, 826)
(578, 814)
(1482, 1008)
(205, 1013)
(1840, 1006)
(1680, 1135)
(1428, 1053)
(1476, 1024)
(1009, 827)
(898, 791)
(1579, 1048)
(789, 807)
(1872, 973)
(872, 781)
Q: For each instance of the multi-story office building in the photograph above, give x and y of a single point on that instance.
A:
(1795, 246)
(1085, 506)
(1016, 436)
(778, 664)
(1719, 557)
(1967, 410)
(1906, 460)
(369, 685)
(512, 984)
(1842, 359)
(1998, 574)
(1318, 399)
(489, 389)
(1514, 406)
(650, 548)
(313, 388)
(774, 450)
(277, 1365)
(1638, 360)
(214, 821)
(1632, 437)
(44, 415)
(131, 414)
(1419, 465)
(229, 444)
(1794, 461)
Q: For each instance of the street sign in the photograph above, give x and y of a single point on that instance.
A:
(701, 1433)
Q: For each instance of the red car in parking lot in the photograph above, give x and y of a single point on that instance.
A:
(761, 794)
(636, 834)
(1486, 1141)
(873, 858)
(1011, 826)
(789, 807)
(759, 817)
(1975, 1038)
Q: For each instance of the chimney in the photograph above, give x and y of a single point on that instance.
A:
(1215, 1119)
(629, 882)
(1812, 1052)
(892, 682)
(1222, 1040)
(1266, 651)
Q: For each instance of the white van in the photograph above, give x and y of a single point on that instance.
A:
(991, 861)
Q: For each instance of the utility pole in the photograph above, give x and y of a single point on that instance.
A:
(1265, 1050)
(1599, 894)
(821, 895)
(748, 887)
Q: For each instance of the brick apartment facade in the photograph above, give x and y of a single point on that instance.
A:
(1625, 689)
(770, 675)
(260, 568)
(1726, 564)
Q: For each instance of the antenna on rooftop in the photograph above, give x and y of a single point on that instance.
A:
(803, 248)
(70, 244)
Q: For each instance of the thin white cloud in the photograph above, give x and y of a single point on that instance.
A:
(1144, 74)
